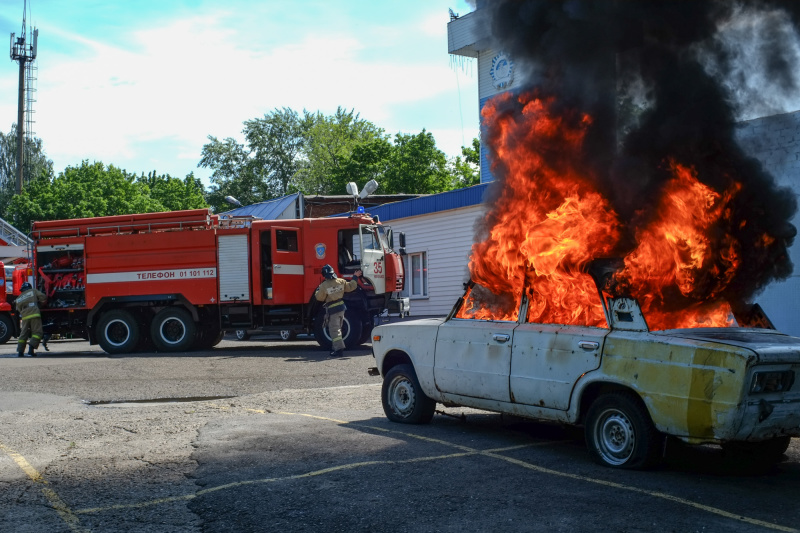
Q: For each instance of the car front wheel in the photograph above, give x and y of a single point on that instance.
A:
(403, 399)
(620, 434)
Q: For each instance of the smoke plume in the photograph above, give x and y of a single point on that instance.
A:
(665, 80)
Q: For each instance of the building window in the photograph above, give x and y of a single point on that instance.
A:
(416, 275)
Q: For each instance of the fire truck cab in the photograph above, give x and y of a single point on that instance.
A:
(180, 280)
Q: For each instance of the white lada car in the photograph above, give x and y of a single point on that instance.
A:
(628, 386)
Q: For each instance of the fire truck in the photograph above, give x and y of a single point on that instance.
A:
(179, 280)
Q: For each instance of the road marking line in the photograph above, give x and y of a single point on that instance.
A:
(203, 492)
(63, 510)
(465, 452)
(612, 484)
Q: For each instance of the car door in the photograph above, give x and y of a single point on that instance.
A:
(473, 358)
(547, 360)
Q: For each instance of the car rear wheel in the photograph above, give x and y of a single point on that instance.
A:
(403, 399)
(620, 434)
(118, 332)
(173, 330)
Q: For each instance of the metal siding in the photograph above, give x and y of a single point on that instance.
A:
(434, 203)
(234, 278)
(448, 254)
(464, 32)
(280, 208)
(771, 140)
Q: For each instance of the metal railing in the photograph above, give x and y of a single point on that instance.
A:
(12, 235)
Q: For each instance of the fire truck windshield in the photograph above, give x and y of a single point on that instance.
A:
(373, 238)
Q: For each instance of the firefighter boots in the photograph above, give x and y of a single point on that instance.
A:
(31, 353)
(20, 349)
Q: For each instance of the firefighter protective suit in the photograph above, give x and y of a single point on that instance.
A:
(331, 291)
(27, 305)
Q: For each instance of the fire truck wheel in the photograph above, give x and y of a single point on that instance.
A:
(366, 332)
(351, 330)
(118, 332)
(288, 335)
(208, 338)
(173, 330)
(6, 328)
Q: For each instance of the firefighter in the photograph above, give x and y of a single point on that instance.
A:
(27, 305)
(331, 291)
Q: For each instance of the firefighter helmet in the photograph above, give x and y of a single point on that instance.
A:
(328, 273)
(25, 287)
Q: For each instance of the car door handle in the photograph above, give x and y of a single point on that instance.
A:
(501, 337)
(589, 345)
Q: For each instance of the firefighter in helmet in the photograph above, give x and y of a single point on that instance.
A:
(27, 305)
(330, 292)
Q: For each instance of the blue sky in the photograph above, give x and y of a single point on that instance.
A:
(142, 84)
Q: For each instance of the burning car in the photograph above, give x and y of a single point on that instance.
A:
(628, 385)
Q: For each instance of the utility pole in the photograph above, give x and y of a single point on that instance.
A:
(24, 53)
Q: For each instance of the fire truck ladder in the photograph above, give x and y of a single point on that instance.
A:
(12, 236)
(13, 243)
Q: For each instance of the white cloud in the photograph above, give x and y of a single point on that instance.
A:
(189, 78)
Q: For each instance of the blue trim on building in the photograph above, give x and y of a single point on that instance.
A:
(486, 172)
(433, 203)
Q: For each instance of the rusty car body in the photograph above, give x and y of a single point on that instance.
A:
(628, 386)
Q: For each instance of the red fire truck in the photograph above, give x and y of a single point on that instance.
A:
(179, 280)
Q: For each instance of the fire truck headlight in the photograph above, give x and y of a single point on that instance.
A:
(773, 381)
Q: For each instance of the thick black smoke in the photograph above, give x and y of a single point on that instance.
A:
(670, 63)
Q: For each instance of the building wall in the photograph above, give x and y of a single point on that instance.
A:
(446, 237)
(775, 141)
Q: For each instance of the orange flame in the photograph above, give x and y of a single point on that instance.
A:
(550, 221)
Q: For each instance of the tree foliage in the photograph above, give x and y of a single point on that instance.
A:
(36, 165)
(466, 171)
(261, 169)
(93, 189)
(329, 144)
(175, 194)
(314, 153)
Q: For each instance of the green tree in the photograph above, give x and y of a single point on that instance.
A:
(466, 171)
(175, 194)
(260, 169)
(318, 154)
(88, 190)
(329, 145)
(36, 165)
(416, 166)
